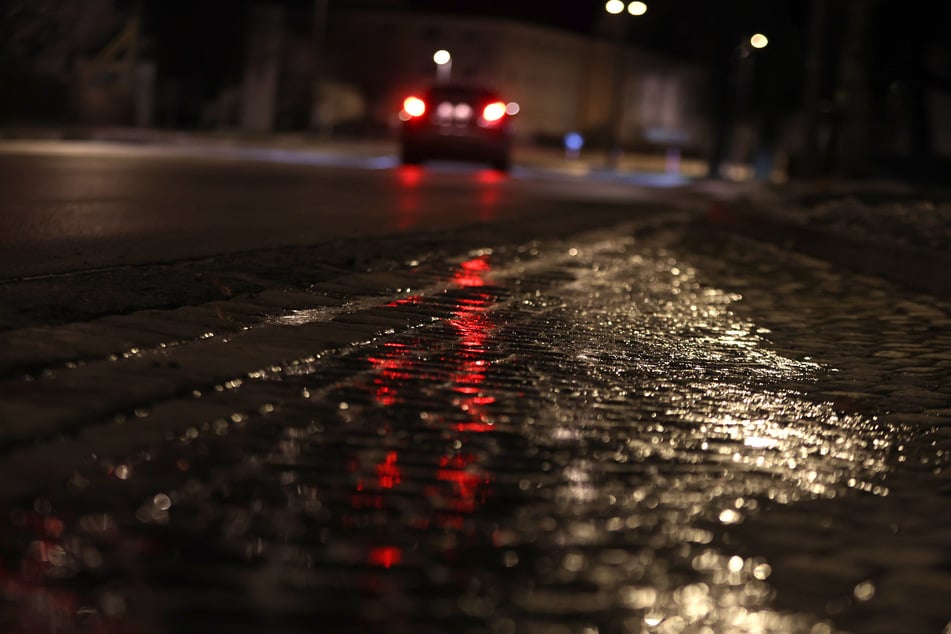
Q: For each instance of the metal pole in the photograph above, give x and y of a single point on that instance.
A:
(444, 72)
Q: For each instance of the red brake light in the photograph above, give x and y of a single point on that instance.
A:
(494, 111)
(414, 106)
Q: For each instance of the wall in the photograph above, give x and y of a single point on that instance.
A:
(562, 81)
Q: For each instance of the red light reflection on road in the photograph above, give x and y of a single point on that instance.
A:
(385, 556)
(490, 177)
(409, 178)
(33, 606)
(413, 299)
(409, 175)
(472, 273)
(490, 192)
(468, 482)
(393, 367)
(457, 485)
(474, 326)
(388, 474)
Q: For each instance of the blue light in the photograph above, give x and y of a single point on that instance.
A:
(573, 141)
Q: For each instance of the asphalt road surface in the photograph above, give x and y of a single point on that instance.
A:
(72, 206)
(448, 401)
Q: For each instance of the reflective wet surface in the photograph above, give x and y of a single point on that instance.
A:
(597, 436)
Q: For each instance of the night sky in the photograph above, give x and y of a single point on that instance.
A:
(687, 29)
(683, 29)
(206, 38)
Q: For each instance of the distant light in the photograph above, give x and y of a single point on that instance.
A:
(414, 106)
(759, 41)
(444, 110)
(614, 7)
(512, 108)
(442, 56)
(637, 8)
(574, 141)
(494, 111)
(864, 591)
(385, 556)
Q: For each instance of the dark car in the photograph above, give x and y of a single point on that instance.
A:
(452, 121)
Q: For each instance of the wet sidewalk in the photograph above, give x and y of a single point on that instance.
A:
(621, 431)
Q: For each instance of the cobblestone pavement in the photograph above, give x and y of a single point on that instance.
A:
(636, 430)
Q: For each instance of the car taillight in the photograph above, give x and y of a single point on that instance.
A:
(493, 111)
(414, 106)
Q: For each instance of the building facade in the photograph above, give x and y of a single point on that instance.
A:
(562, 81)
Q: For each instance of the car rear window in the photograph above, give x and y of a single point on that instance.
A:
(460, 93)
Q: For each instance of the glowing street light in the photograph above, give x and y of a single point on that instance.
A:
(616, 7)
(637, 8)
(443, 61)
(759, 40)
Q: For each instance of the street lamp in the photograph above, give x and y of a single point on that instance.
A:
(637, 8)
(616, 7)
(737, 99)
(443, 65)
(743, 80)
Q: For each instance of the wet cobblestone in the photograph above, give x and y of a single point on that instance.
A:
(603, 435)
